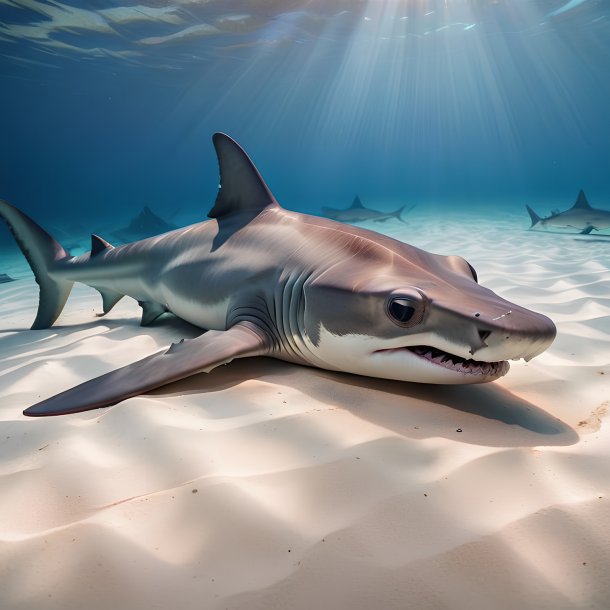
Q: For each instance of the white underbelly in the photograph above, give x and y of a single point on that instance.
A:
(211, 317)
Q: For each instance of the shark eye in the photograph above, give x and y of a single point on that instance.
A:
(401, 310)
(405, 311)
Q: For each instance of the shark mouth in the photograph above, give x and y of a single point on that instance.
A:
(457, 363)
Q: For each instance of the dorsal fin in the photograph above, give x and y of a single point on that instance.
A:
(581, 202)
(356, 203)
(99, 244)
(242, 188)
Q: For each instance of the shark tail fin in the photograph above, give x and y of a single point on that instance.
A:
(535, 218)
(41, 252)
(400, 211)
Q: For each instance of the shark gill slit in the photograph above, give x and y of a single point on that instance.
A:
(257, 313)
(288, 313)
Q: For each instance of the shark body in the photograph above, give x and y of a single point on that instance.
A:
(266, 281)
(580, 216)
(359, 213)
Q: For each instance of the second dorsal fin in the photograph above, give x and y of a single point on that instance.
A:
(242, 189)
(98, 244)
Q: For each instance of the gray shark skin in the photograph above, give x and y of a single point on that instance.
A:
(580, 216)
(359, 213)
(265, 281)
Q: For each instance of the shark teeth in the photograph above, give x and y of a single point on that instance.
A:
(459, 364)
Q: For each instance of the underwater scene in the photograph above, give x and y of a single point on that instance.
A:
(364, 356)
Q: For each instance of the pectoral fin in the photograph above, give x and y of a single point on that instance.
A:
(199, 355)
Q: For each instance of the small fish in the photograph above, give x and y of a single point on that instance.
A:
(580, 216)
(358, 213)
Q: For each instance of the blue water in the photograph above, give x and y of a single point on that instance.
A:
(459, 103)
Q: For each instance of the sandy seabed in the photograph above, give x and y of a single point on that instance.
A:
(270, 486)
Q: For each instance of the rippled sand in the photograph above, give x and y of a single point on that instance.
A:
(265, 485)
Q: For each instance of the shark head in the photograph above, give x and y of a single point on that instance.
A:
(368, 304)
(410, 315)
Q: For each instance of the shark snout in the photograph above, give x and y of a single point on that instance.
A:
(516, 333)
(490, 328)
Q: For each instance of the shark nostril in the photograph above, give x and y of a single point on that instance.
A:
(483, 334)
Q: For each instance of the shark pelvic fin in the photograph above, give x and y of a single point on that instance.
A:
(150, 312)
(581, 202)
(242, 189)
(98, 244)
(199, 355)
(42, 253)
(109, 299)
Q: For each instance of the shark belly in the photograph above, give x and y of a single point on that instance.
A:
(205, 314)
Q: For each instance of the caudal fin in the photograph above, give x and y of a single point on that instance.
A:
(42, 252)
(535, 218)
(399, 213)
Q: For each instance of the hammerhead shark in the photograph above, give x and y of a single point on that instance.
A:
(265, 281)
(580, 216)
(359, 213)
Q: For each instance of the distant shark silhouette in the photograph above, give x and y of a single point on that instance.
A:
(359, 213)
(580, 216)
(145, 224)
(4, 279)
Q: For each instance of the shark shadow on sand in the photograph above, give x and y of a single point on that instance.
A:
(484, 414)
